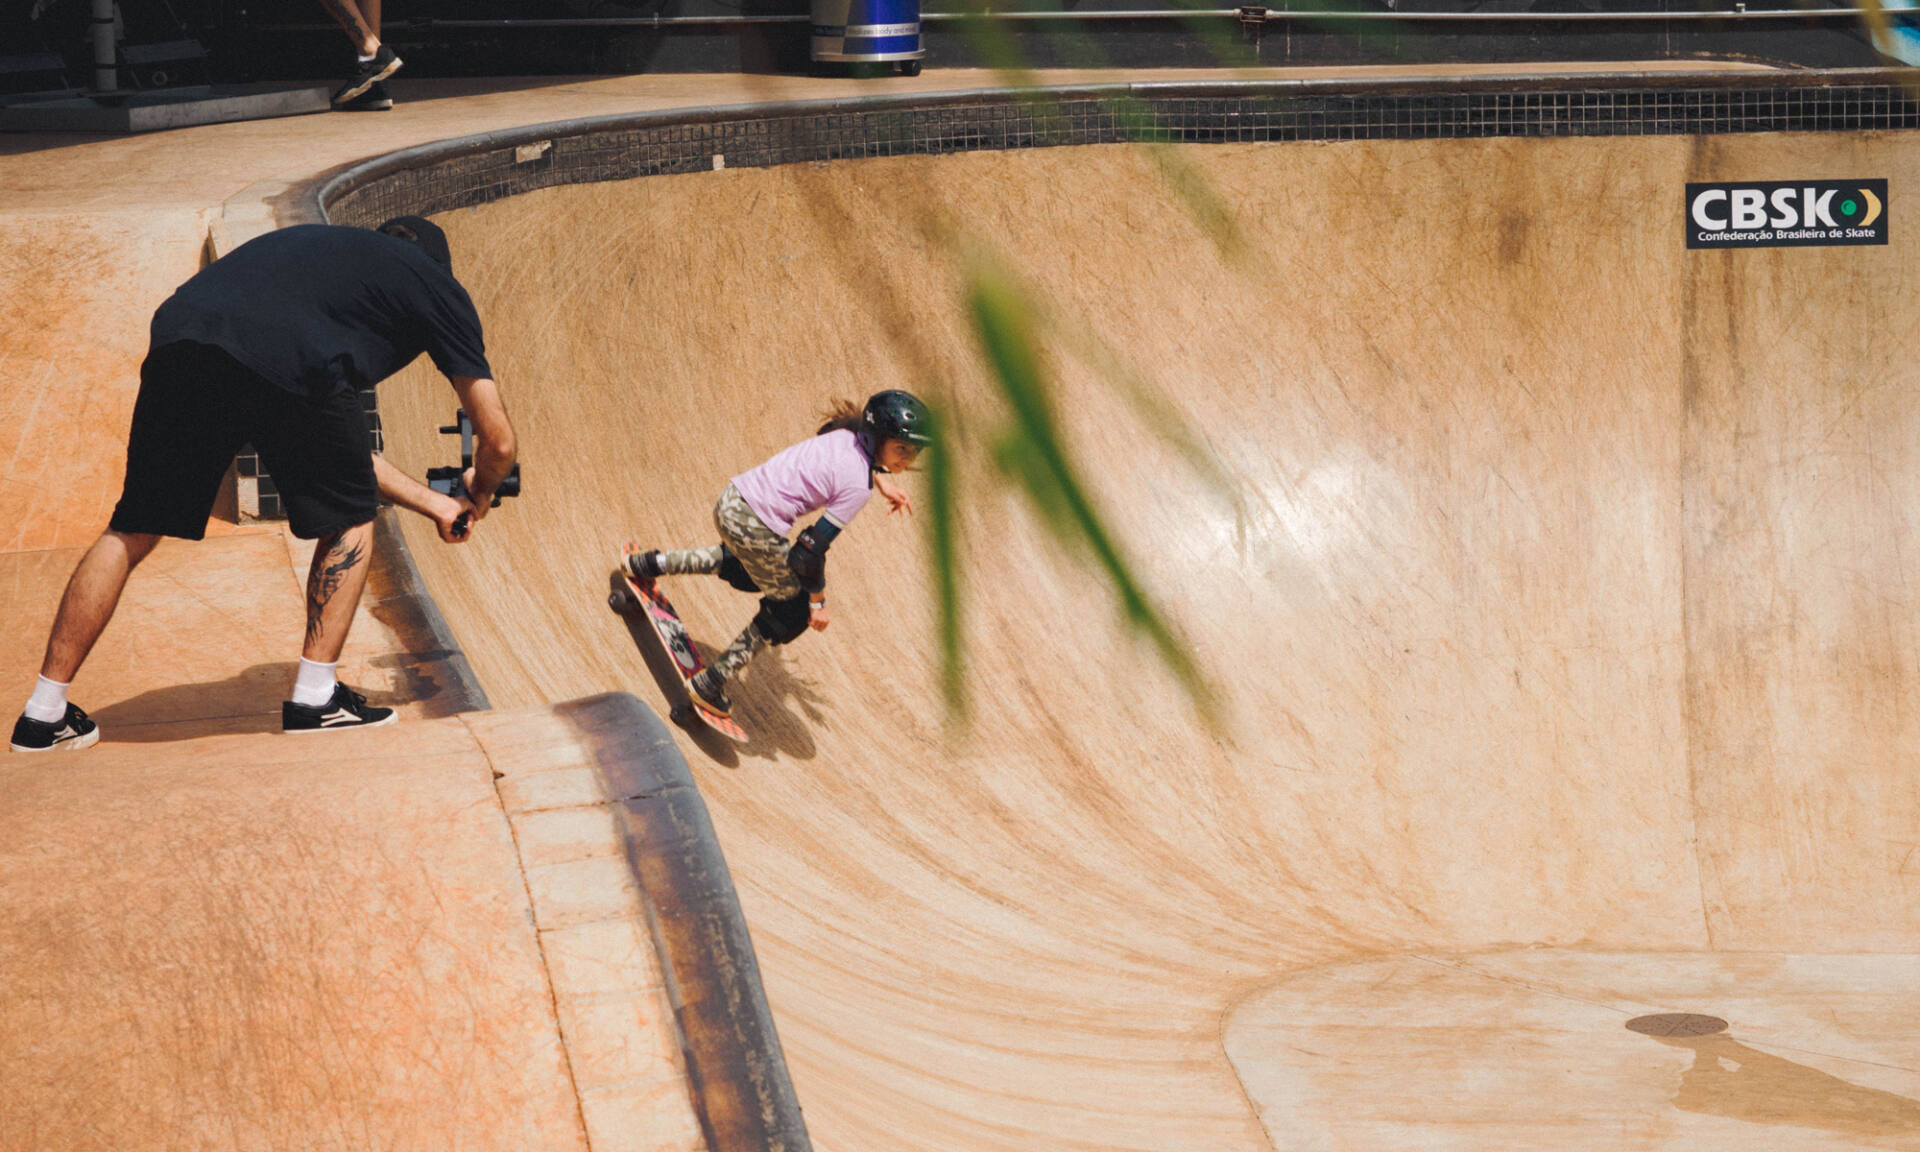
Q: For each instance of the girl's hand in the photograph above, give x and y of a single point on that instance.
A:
(895, 496)
(818, 619)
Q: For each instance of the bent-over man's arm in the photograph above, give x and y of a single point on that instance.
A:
(399, 488)
(494, 450)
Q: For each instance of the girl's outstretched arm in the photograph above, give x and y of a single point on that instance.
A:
(895, 496)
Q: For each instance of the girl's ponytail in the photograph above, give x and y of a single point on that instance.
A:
(842, 414)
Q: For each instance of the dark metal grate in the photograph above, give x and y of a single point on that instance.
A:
(623, 153)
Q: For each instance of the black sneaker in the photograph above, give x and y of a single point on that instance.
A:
(383, 65)
(642, 566)
(347, 709)
(74, 731)
(707, 689)
(374, 99)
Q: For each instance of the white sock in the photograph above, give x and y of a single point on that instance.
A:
(314, 685)
(49, 702)
(366, 59)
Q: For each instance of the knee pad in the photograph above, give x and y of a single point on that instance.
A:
(782, 621)
(734, 572)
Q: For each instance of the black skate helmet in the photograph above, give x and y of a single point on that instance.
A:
(894, 415)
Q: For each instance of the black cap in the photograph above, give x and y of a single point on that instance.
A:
(423, 232)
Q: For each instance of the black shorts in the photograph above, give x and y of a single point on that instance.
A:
(198, 406)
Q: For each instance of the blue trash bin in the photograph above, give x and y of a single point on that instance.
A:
(868, 32)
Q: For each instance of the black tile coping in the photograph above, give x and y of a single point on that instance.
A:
(478, 169)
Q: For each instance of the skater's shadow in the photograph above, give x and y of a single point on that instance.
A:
(778, 709)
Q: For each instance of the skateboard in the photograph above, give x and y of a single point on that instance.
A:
(653, 603)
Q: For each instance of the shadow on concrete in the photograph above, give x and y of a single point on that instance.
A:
(246, 702)
(777, 708)
(1740, 1082)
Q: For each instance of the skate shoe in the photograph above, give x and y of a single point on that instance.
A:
(643, 566)
(707, 690)
(375, 99)
(72, 732)
(347, 709)
(384, 64)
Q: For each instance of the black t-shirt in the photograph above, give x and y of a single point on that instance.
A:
(316, 307)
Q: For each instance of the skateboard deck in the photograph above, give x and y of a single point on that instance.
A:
(653, 603)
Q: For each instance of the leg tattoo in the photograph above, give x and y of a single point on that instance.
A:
(324, 579)
(349, 18)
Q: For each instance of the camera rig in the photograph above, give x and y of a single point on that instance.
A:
(451, 480)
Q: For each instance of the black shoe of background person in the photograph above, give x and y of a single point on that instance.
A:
(347, 709)
(374, 99)
(73, 731)
(383, 65)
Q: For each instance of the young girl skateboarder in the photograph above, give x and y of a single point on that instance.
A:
(851, 457)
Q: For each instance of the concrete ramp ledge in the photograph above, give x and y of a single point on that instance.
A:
(560, 771)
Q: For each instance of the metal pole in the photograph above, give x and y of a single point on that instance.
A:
(106, 70)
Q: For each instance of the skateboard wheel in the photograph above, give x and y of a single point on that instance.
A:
(682, 714)
(618, 601)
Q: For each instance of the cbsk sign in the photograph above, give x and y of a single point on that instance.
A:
(1783, 213)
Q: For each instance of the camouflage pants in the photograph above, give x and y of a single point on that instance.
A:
(760, 550)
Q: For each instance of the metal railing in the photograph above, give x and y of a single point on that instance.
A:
(1733, 13)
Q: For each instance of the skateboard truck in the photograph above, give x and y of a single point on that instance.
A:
(451, 482)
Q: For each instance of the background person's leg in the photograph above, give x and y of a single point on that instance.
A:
(360, 21)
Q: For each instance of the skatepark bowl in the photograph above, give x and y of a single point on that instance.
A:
(1559, 607)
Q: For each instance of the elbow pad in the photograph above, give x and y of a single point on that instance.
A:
(808, 556)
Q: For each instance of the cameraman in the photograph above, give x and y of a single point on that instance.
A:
(271, 345)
